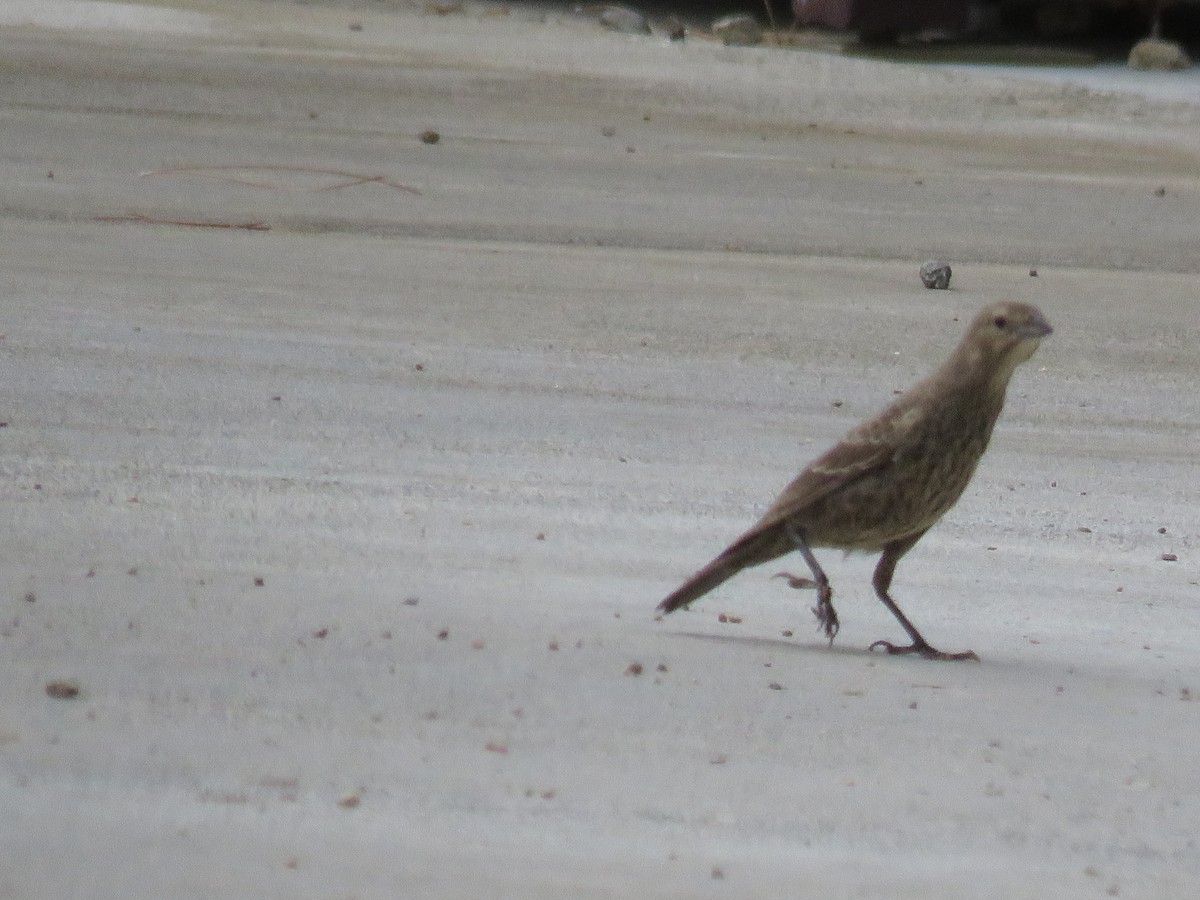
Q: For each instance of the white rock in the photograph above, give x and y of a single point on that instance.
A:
(1155, 53)
(624, 19)
(738, 30)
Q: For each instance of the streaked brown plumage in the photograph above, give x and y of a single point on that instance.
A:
(890, 479)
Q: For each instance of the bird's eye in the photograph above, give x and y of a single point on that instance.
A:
(1000, 321)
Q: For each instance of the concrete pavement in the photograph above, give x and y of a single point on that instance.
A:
(349, 526)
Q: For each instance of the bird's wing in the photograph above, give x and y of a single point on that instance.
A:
(868, 448)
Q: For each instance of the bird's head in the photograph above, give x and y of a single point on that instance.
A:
(1001, 337)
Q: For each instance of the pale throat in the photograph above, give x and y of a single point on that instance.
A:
(995, 374)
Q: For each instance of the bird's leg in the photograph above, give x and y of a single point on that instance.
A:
(882, 582)
(826, 615)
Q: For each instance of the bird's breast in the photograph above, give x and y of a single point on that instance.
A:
(924, 476)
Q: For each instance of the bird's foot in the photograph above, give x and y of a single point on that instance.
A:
(795, 581)
(923, 649)
(827, 619)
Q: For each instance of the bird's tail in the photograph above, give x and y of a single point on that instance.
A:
(750, 549)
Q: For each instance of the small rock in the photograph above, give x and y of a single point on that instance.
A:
(63, 690)
(429, 136)
(738, 30)
(624, 20)
(1155, 53)
(675, 29)
(935, 275)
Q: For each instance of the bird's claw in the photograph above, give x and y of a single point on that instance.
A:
(827, 620)
(924, 650)
(795, 581)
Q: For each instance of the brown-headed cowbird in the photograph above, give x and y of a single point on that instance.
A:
(890, 479)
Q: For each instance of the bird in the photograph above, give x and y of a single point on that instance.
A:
(891, 478)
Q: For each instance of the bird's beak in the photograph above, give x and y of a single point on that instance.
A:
(1037, 327)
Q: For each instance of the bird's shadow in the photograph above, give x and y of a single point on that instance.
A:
(850, 651)
(819, 646)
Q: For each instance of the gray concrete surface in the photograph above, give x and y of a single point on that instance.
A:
(350, 528)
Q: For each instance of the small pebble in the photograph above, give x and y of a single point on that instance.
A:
(1158, 54)
(935, 275)
(62, 690)
(624, 20)
(738, 30)
(676, 31)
